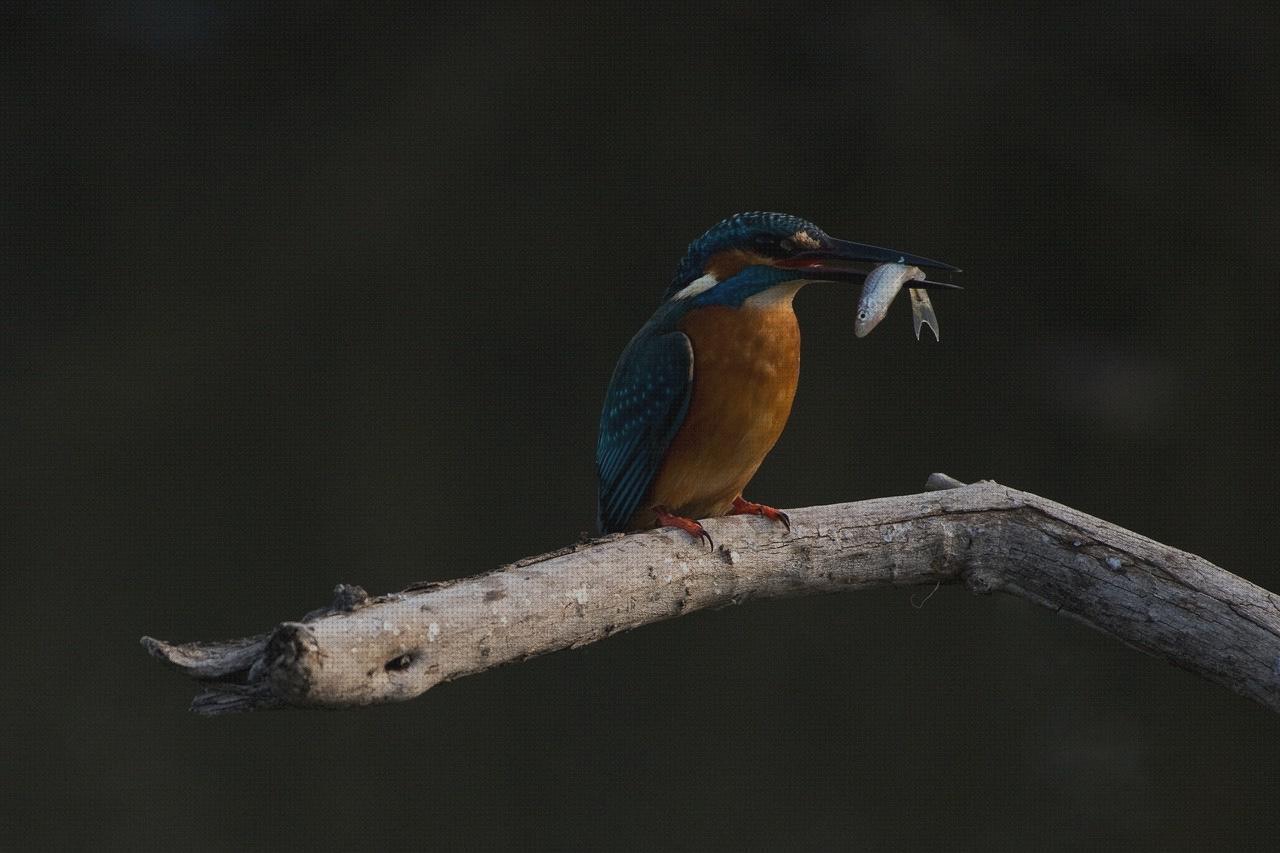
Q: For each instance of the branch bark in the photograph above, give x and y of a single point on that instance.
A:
(362, 650)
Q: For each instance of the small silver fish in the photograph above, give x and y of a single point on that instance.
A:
(881, 286)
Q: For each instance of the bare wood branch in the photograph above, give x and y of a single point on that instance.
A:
(361, 651)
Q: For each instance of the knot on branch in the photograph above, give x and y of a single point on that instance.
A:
(347, 598)
(291, 658)
(980, 580)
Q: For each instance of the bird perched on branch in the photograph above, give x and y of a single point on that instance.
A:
(704, 389)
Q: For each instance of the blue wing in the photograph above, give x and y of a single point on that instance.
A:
(643, 408)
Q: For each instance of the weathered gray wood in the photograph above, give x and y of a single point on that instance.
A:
(362, 651)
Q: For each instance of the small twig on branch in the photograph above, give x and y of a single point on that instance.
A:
(361, 651)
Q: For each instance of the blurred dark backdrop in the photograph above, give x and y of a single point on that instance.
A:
(332, 294)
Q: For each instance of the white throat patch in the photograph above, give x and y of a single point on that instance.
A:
(773, 297)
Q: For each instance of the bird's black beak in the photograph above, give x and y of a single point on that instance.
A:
(840, 260)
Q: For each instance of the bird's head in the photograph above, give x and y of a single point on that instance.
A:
(750, 253)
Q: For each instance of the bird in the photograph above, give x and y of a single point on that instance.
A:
(703, 391)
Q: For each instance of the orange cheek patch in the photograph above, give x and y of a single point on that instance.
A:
(725, 265)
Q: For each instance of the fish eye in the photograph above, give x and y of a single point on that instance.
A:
(787, 244)
(862, 315)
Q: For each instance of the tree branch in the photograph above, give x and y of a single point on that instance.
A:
(361, 651)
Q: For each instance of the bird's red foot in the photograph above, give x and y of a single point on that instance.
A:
(688, 525)
(746, 507)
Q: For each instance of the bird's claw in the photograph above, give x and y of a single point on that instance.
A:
(746, 507)
(688, 525)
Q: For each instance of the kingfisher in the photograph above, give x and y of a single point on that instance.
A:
(702, 392)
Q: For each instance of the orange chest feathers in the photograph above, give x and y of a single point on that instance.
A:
(746, 363)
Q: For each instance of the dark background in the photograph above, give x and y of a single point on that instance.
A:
(333, 295)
